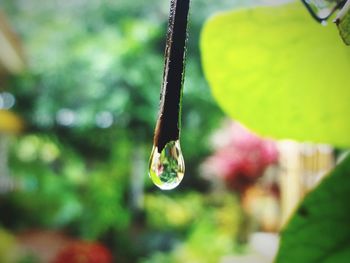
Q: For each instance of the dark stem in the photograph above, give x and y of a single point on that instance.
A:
(319, 19)
(168, 123)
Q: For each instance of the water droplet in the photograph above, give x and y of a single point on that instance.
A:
(167, 168)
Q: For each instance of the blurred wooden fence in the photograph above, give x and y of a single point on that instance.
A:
(302, 166)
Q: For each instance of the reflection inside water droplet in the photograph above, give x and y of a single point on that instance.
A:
(167, 168)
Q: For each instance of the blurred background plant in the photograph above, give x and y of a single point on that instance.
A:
(88, 98)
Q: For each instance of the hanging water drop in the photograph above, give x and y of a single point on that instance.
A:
(167, 168)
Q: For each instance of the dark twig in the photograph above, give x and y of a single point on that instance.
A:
(316, 16)
(168, 123)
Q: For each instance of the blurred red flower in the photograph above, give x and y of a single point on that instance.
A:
(84, 252)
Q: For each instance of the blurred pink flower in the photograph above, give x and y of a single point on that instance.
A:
(241, 156)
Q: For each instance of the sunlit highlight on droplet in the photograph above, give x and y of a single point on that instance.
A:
(167, 168)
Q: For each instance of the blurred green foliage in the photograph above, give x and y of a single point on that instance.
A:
(105, 58)
(214, 219)
(7, 247)
(89, 98)
(59, 189)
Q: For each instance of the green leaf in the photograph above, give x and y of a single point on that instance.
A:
(319, 231)
(278, 72)
(343, 23)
